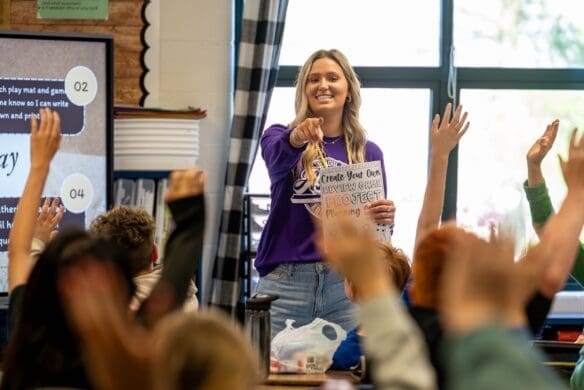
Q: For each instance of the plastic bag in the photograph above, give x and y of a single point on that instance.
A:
(307, 349)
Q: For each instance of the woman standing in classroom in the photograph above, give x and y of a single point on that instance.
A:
(325, 133)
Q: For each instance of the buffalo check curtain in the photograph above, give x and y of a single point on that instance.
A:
(259, 51)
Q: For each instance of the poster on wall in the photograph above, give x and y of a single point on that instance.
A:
(346, 190)
(72, 9)
(71, 75)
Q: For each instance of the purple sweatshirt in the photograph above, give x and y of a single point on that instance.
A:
(289, 232)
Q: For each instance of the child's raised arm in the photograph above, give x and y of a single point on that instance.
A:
(444, 135)
(45, 138)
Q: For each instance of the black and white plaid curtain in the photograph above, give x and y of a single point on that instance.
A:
(259, 51)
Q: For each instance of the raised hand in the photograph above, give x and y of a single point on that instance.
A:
(543, 144)
(523, 277)
(49, 217)
(309, 130)
(559, 240)
(445, 134)
(355, 254)
(477, 281)
(573, 168)
(94, 298)
(45, 138)
(536, 154)
(185, 183)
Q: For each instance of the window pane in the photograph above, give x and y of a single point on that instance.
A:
(492, 166)
(521, 33)
(281, 111)
(398, 121)
(369, 32)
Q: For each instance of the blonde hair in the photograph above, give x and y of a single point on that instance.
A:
(396, 262)
(205, 350)
(352, 128)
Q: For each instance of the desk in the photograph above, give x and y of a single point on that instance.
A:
(303, 381)
(560, 356)
(559, 351)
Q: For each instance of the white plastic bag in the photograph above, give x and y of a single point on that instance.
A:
(307, 349)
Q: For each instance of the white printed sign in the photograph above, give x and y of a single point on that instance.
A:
(347, 189)
(14, 163)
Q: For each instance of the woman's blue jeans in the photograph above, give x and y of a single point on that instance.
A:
(307, 291)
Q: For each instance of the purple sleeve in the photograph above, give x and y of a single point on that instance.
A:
(279, 155)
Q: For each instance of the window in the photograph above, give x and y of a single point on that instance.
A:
(370, 32)
(530, 34)
(390, 114)
(519, 66)
(492, 156)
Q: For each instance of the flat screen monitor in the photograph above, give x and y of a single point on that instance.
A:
(71, 74)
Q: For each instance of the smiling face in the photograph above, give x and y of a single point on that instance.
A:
(327, 88)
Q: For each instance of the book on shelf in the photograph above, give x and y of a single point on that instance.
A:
(163, 219)
(124, 192)
(145, 192)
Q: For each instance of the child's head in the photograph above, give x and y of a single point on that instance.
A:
(429, 261)
(42, 341)
(41, 298)
(203, 351)
(396, 264)
(132, 229)
(427, 269)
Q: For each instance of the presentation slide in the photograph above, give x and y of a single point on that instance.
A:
(70, 77)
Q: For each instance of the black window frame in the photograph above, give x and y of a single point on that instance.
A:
(436, 80)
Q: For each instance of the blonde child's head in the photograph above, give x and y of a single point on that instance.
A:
(396, 264)
(206, 350)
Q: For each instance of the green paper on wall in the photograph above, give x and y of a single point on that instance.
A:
(72, 9)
